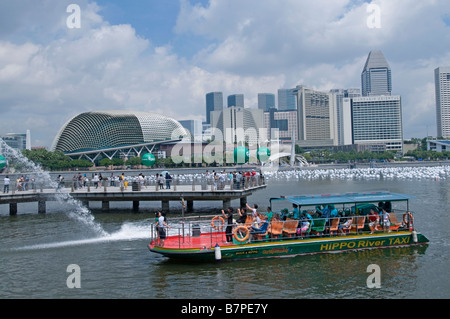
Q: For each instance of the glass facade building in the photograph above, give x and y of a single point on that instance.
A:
(235, 100)
(266, 101)
(287, 99)
(214, 102)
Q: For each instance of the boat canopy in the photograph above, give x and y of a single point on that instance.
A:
(347, 198)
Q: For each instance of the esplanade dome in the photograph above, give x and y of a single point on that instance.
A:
(98, 130)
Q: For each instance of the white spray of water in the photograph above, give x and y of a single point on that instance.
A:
(73, 207)
(128, 231)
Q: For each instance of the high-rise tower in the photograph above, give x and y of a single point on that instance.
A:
(214, 102)
(442, 86)
(376, 75)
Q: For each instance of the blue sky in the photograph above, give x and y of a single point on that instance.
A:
(164, 56)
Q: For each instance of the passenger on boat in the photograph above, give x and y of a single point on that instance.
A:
(304, 226)
(254, 210)
(242, 216)
(333, 211)
(386, 220)
(269, 214)
(229, 229)
(161, 228)
(306, 216)
(345, 226)
(260, 229)
(284, 214)
(373, 220)
(296, 211)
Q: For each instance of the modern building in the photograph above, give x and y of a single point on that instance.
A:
(442, 88)
(376, 75)
(214, 102)
(284, 122)
(239, 125)
(316, 118)
(438, 145)
(235, 100)
(18, 141)
(338, 96)
(195, 127)
(266, 101)
(111, 134)
(287, 99)
(374, 120)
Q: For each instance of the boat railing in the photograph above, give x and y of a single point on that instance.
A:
(192, 233)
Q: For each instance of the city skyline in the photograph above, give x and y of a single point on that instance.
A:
(163, 57)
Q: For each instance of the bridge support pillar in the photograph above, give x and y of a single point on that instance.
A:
(190, 205)
(12, 209)
(105, 205)
(42, 207)
(243, 201)
(165, 206)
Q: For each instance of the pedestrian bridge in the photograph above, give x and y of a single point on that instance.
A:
(134, 193)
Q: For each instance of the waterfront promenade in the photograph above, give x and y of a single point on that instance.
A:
(133, 193)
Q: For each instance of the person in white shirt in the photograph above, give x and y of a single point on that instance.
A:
(6, 182)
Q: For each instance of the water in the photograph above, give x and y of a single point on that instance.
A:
(35, 250)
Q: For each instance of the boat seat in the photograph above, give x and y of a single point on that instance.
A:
(394, 220)
(290, 227)
(319, 226)
(334, 224)
(276, 228)
(359, 224)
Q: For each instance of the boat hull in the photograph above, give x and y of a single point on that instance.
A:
(293, 247)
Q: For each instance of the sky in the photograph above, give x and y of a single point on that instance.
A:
(164, 56)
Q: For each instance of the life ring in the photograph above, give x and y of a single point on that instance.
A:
(408, 219)
(239, 230)
(217, 227)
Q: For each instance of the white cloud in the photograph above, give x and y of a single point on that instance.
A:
(48, 73)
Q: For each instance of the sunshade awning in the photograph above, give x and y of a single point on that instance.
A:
(347, 198)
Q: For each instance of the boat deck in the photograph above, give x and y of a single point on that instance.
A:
(206, 240)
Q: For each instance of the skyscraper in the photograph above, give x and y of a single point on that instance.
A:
(287, 99)
(442, 87)
(339, 95)
(374, 120)
(376, 75)
(214, 102)
(316, 118)
(266, 101)
(236, 100)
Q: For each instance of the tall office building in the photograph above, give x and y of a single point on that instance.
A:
(214, 102)
(283, 121)
(316, 118)
(287, 99)
(238, 124)
(266, 101)
(442, 87)
(376, 75)
(235, 100)
(339, 95)
(18, 141)
(374, 121)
